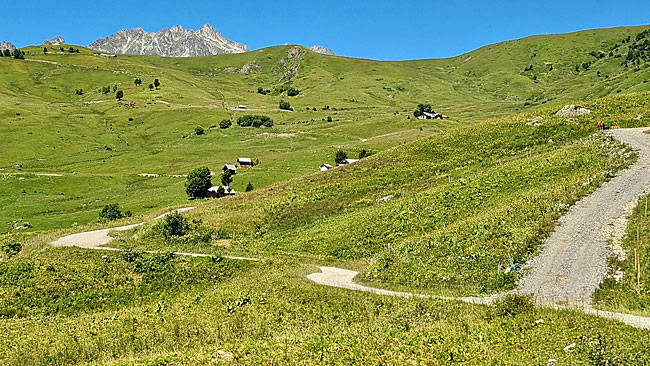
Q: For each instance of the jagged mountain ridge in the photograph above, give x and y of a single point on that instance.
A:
(56, 41)
(6, 46)
(322, 50)
(169, 42)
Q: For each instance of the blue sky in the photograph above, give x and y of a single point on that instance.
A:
(379, 29)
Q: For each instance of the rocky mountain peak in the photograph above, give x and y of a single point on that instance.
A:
(56, 41)
(6, 46)
(169, 42)
(322, 50)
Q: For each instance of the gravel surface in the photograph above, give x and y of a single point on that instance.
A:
(97, 238)
(573, 261)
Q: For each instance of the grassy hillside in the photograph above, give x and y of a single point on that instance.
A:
(440, 206)
(465, 203)
(47, 128)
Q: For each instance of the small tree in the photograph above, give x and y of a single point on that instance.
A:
(226, 123)
(111, 212)
(329, 118)
(150, 86)
(119, 95)
(199, 130)
(198, 182)
(340, 156)
(156, 83)
(221, 192)
(285, 106)
(45, 50)
(137, 82)
(249, 187)
(226, 178)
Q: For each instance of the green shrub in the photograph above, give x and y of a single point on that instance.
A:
(285, 106)
(112, 212)
(198, 130)
(226, 123)
(172, 225)
(513, 305)
(340, 156)
(11, 248)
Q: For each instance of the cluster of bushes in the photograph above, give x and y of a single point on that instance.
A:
(172, 225)
(256, 121)
(226, 123)
(341, 155)
(107, 89)
(11, 248)
(421, 108)
(112, 212)
(17, 54)
(291, 91)
(198, 130)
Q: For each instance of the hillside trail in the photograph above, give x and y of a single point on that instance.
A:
(573, 260)
(570, 267)
(96, 239)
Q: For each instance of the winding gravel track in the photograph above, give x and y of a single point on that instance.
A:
(571, 266)
(573, 261)
(98, 238)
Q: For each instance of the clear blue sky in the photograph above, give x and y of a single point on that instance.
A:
(376, 29)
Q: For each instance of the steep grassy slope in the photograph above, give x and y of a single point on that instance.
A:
(466, 203)
(47, 128)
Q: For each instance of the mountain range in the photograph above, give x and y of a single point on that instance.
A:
(169, 42)
(6, 46)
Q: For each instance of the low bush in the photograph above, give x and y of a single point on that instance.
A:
(172, 225)
(112, 212)
(256, 121)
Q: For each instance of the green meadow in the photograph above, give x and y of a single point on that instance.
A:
(439, 206)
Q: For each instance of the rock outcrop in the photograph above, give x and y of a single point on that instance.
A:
(572, 111)
(322, 50)
(169, 42)
(6, 46)
(56, 41)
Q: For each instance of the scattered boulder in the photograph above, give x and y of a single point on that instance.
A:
(537, 121)
(572, 111)
(385, 199)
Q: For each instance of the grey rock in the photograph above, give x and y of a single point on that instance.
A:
(174, 42)
(6, 46)
(322, 50)
(56, 41)
(572, 111)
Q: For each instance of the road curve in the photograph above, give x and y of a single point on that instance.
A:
(573, 260)
(96, 238)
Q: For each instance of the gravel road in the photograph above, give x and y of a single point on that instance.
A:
(573, 261)
(97, 238)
